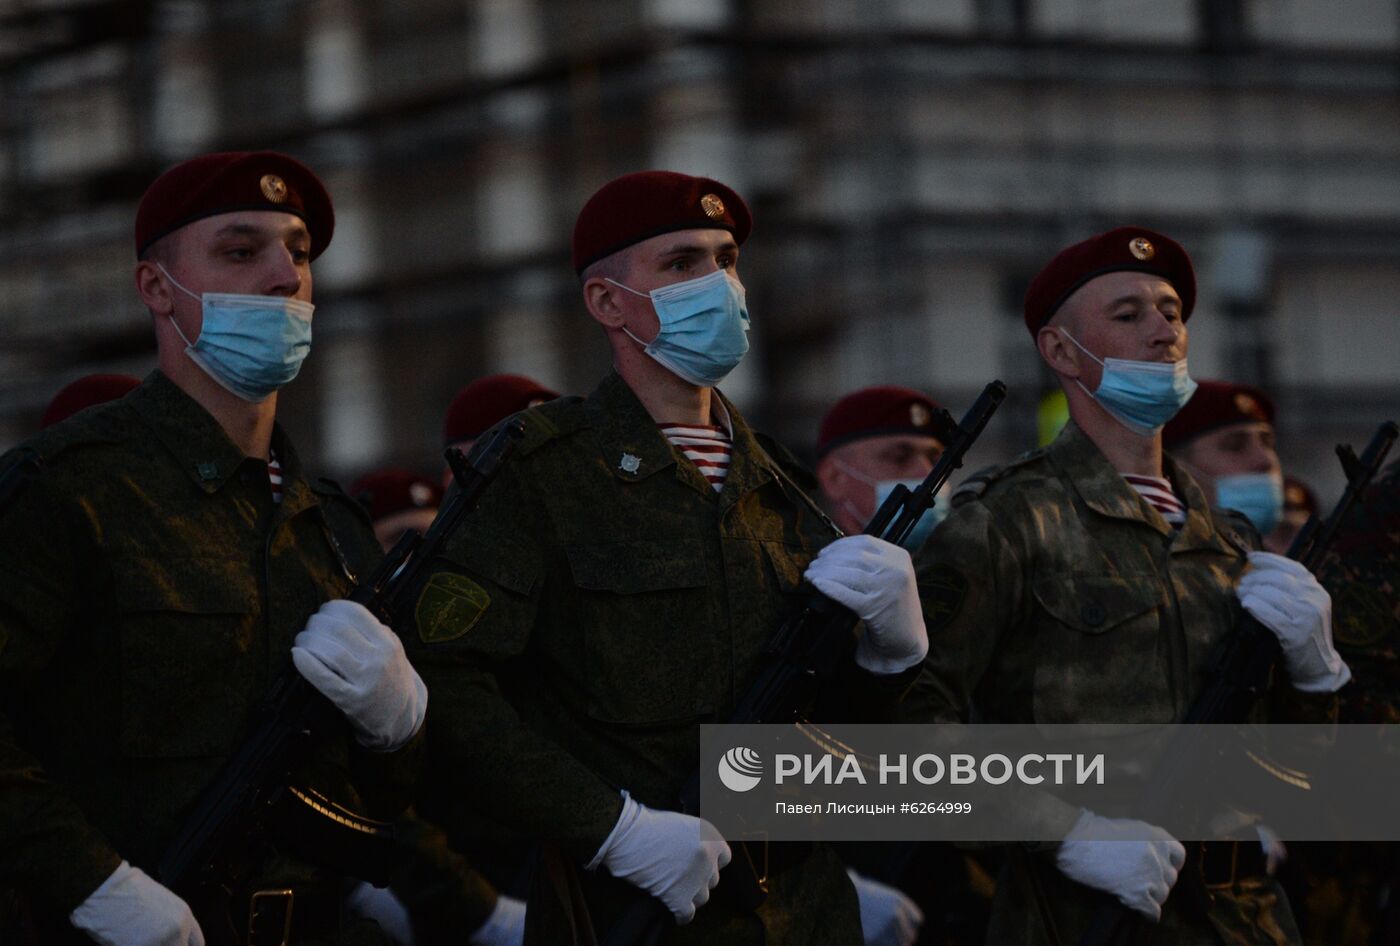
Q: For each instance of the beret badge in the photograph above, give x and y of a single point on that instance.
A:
(273, 188)
(712, 205)
(1248, 406)
(1142, 248)
(919, 415)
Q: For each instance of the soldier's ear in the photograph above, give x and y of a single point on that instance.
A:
(153, 288)
(828, 475)
(600, 297)
(1058, 353)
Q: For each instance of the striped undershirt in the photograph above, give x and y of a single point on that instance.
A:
(1159, 493)
(274, 475)
(708, 447)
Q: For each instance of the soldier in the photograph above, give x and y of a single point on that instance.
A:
(1089, 581)
(485, 402)
(619, 581)
(871, 441)
(1224, 437)
(157, 573)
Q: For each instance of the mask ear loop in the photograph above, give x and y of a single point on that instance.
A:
(644, 295)
(625, 330)
(174, 282)
(859, 477)
(1066, 334)
(854, 473)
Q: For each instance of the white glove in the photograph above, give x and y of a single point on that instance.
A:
(504, 927)
(875, 579)
(383, 907)
(1284, 596)
(674, 857)
(887, 916)
(131, 909)
(1113, 855)
(359, 665)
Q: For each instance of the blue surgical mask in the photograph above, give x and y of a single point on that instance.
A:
(1140, 395)
(1258, 495)
(922, 529)
(251, 345)
(704, 327)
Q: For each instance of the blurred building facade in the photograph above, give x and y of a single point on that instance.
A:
(910, 164)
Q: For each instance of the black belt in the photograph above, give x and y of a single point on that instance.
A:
(279, 916)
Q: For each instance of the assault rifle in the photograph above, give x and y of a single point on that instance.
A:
(257, 791)
(1240, 671)
(812, 646)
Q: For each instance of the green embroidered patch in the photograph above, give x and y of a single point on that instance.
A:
(448, 607)
(942, 591)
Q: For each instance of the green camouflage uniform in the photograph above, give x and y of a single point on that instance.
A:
(1054, 593)
(602, 602)
(151, 592)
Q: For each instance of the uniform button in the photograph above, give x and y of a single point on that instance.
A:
(1093, 614)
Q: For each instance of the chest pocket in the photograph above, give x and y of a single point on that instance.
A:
(1099, 655)
(648, 627)
(191, 651)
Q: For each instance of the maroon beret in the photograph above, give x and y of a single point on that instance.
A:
(1133, 249)
(385, 492)
(876, 412)
(486, 401)
(1217, 404)
(85, 392)
(636, 207)
(229, 181)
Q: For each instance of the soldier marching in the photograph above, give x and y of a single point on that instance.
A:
(170, 562)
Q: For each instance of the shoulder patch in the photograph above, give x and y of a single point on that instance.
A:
(1361, 615)
(942, 589)
(448, 606)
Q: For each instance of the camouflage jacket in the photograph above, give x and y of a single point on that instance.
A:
(1054, 593)
(602, 602)
(151, 592)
